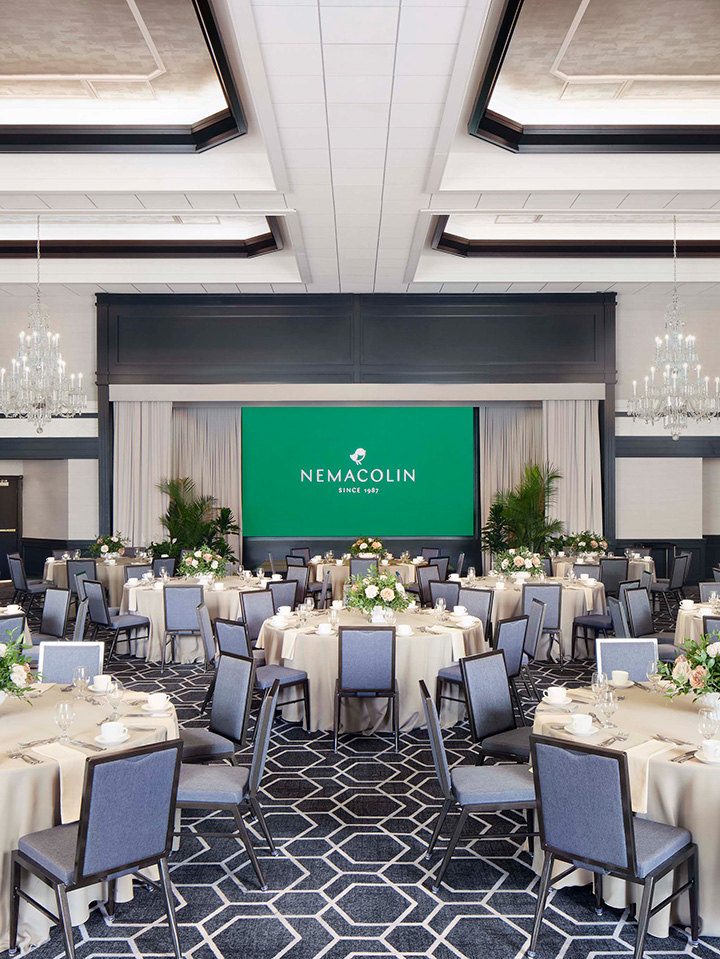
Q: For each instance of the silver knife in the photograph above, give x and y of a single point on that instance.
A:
(684, 757)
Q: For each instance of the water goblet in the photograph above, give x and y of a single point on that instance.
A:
(81, 681)
(334, 618)
(707, 723)
(598, 684)
(310, 604)
(471, 574)
(302, 614)
(653, 674)
(115, 694)
(64, 718)
(607, 706)
(440, 609)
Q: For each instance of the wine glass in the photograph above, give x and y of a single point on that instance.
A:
(440, 609)
(81, 681)
(598, 684)
(607, 706)
(115, 694)
(64, 718)
(302, 613)
(471, 574)
(653, 673)
(334, 617)
(707, 723)
(310, 604)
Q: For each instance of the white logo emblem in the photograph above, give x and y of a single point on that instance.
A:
(358, 456)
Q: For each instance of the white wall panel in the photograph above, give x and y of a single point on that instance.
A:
(659, 498)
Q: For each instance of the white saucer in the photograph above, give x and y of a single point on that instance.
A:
(626, 685)
(699, 755)
(591, 732)
(94, 689)
(112, 742)
(166, 711)
(331, 633)
(563, 702)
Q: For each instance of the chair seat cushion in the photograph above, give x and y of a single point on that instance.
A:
(472, 785)
(199, 743)
(265, 676)
(667, 652)
(213, 784)
(594, 621)
(53, 849)
(259, 657)
(514, 742)
(314, 587)
(37, 587)
(660, 586)
(451, 674)
(127, 620)
(38, 638)
(412, 588)
(656, 842)
(114, 610)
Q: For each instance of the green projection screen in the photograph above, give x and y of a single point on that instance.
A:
(358, 471)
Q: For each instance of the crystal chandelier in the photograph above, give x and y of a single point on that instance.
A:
(37, 388)
(675, 392)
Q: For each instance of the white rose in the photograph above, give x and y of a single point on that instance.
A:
(713, 649)
(3, 650)
(19, 676)
(681, 669)
(194, 562)
(400, 588)
(104, 548)
(512, 552)
(362, 546)
(387, 594)
(371, 591)
(214, 564)
(174, 539)
(582, 544)
(528, 564)
(505, 563)
(198, 552)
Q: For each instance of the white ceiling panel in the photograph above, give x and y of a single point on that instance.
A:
(21, 201)
(287, 24)
(414, 59)
(502, 201)
(68, 201)
(115, 201)
(598, 201)
(292, 59)
(359, 24)
(646, 201)
(373, 89)
(358, 59)
(212, 201)
(550, 201)
(164, 201)
(430, 25)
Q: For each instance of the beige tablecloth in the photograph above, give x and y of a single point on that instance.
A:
(689, 623)
(635, 567)
(111, 576)
(30, 798)
(340, 574)
(148, 601)
(684, 794)
(419, 656)
(577, 600)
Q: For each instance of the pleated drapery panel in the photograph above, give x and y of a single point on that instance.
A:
(571, 431)
(510, 437)
(143, 458)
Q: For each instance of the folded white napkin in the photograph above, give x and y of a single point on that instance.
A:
(639, 757)
(72, 776)
(457, 637)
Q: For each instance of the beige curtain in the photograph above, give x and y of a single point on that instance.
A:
(510, 437)
(143, 457)
(571, 431)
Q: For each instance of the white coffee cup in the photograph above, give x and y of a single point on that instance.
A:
(584, 576)
(580, 723)
(324, 629)
(384, 562)
(158, 701)
(276, 577)
(466, 622)
(454, 577)
(620, 677)
(284, 610)
(132, 581)
(711, 749)
(412, 606)
(13, 608)
(555, 694)
(337, 604)
(500, 585)
(101, 682)
(684, 603)
(404, 629)
(459, 610)
(338, 562)
(112, 732)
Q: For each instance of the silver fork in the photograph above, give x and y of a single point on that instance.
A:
(684, 757)
(36, 742)
(30, 760)
(669, 739)
(93, 746)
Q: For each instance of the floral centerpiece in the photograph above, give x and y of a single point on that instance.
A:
(369, 546)
(15, 675)
(521, 560)
(585, 542)
(109, 545)
(376, 589)
(696, 670)
(203, 562)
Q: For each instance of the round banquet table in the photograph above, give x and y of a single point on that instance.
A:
(432, 646)
(635, 567)
(683, 794)
(111, 575)
(689, 623)
(147, 600)
(577, 600)
(340, 574)
(38, 797)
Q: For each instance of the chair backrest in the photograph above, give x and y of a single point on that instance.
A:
(548, 593)
(706, 589)
(97, 603)
(17, 572)
(478, 602)
(618, 614)
(536, 618)
(80, 579)
(646, 578)
(716, 574)
(80, 621)
(366, 658)
(166, 563)
(632, 655)
(590, 569)
(127, 814)
(232, 638)
(711, 624)
(257, 606)
(442, 563)
(613, 571)
(234, 683)
(181, 603)
(429, 552)
(12, 628)
(425, 575)
(137, 571)
(206, 632)
(624, 587)
(272, 563)
(55, 612)
(437, 746)
(487, 694)
(639, 612)
(130, 552)
(294, 560)
(644, 551)
(547, 565)
(361, 567)
(447, 591)
(283, 594)
(325, 596)
(678, 572)
(58, 553)
(262, 738)
(75, 566)
(460, 565)
(510, 638)
(299, 575)
(303, 551)
(57, 660)
(583, 803)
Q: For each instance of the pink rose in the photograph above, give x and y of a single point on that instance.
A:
(519, 561)
(697, 677)
(387, 594)
(536, 561)
(681, 669)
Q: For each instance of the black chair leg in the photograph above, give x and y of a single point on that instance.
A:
(168, 896)
(396, 717)
(529, 675)
(249, 847)
(442, 816)
(258, 813)
(65, 920)
(541, 900)
(644, 917)
(336, 719)
(693, 893)
(306, 701)
(598, 888)
(438, 695)
(110, 901)
(15, 878)
(454, 839)
(208, 695)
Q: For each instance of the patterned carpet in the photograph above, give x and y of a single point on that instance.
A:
(351, 880)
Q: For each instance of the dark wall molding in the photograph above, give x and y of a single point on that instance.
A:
(195, 138)
(700, 447)
(510, 135)
(49, 448)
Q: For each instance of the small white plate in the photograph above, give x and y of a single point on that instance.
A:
(563, 702)
(94, 689)
(590, 732)
(112, 742)
(626, 685)
(166, 711)
(700, 755)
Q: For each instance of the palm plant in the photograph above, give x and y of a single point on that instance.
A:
(519, 517)
(188, 517)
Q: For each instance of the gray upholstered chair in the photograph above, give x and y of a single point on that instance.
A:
(716, 574)
(323, 599)
(460, 564)
(547, 565)
(125, 825)
(229, 787)
(475, 790)
(587, 569)
(536, 618)
(283, 594)
(257, 606)
(80, 621)
(585, 816)
(711, 624)
(479, 603)
(166, 563)
(294, 560)
(637, 602)
(206, 634)
(551, 595)
(429, 552)
(624, 587)
(300, 575)
(77, 566)
(361, 567)
(707, 589)
(646, 578)
(229, 713)
(57, 660)
(103, 621)
(674, 584)
(632, 655)
(618, 613)
(56, 609)
(303, 551)
(366, 670)
(230, 638)
(448, 591)
(613, 572)
(180, 605)
(27, 591)
(271, 561)
(510, 637)
(490, 710)
(442, 563)
(137, 570)
(12, 630)
(425, 576)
